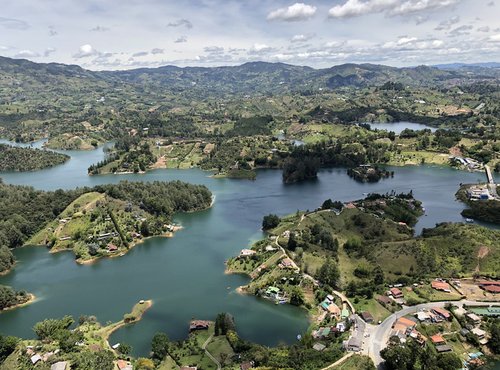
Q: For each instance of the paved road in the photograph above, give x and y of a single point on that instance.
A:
(379, 334)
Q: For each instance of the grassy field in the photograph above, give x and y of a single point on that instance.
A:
(356, 362)
(379, 312)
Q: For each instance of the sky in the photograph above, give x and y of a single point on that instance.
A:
(125, 34)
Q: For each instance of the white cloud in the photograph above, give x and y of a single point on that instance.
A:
(302, 38)
(181, 23)
(156, 51)
(295, 12)
(85, 51)
(27, 54)
(446, 24)
(48, 51)
(353, 8)
(258, 48)
(181, 40)
(14, 24)
(414, 6)
(484, 29)
(495, 38)
(140, 54)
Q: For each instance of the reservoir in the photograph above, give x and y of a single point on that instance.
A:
(184, 275)
(398, 127)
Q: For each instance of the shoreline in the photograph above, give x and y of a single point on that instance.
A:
(32, 299)
(108, 330)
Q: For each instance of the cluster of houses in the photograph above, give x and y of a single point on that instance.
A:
(328, 305)
(490, 286)
(275, 294)
(478, 192)
(36, 357)
(469, 163)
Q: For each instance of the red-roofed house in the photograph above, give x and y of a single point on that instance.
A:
(441, 285)
(492, 288)
(442, 312)
(396, 293)
(438, 340)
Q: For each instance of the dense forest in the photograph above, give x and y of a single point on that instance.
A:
(28, 159)
(6, 259)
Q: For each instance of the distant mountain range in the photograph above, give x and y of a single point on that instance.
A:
(467, 65)
(248, 78)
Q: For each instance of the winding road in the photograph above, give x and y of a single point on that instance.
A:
(379, 334)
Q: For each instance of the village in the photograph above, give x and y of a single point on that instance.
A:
(449, 314)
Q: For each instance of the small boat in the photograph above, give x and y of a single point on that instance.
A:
(469, 220)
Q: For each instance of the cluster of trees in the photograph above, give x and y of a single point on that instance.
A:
(270, 222)
(7, 346)
(224, 323)
(412, 356)
(160, 198)
(251, 126)
(6, 259)
(329, 204)
(329, 273)
(9, 297)
(369, 174)
(28, 159)
(297, 169)
(24, 211)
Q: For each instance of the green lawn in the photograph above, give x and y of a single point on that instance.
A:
(379, 312)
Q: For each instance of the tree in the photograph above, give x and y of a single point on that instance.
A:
(494, 342)
(159, 346)
(329, 273)
(125, 349)
(8, 297)
(49, 328)
(145, 228)
(270, 222)
(7, 346)
(378, 275)
(144, 364)
(224, 323)
(296, 296)
(292, 242)
(448, 361)
(6, 258)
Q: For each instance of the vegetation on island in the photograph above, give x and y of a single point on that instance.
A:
(10, 297)
(111, 219)
(479, 209)
(93, 222)
(28, 159)
(368, 173)
(361, 247)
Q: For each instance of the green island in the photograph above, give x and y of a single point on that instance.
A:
(483, 202)
(367, 173)
(106, 220)
(28, 159)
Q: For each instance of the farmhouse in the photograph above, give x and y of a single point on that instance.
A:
(441, 285)
(396, 293)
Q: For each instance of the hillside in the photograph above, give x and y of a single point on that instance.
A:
(83, 219)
